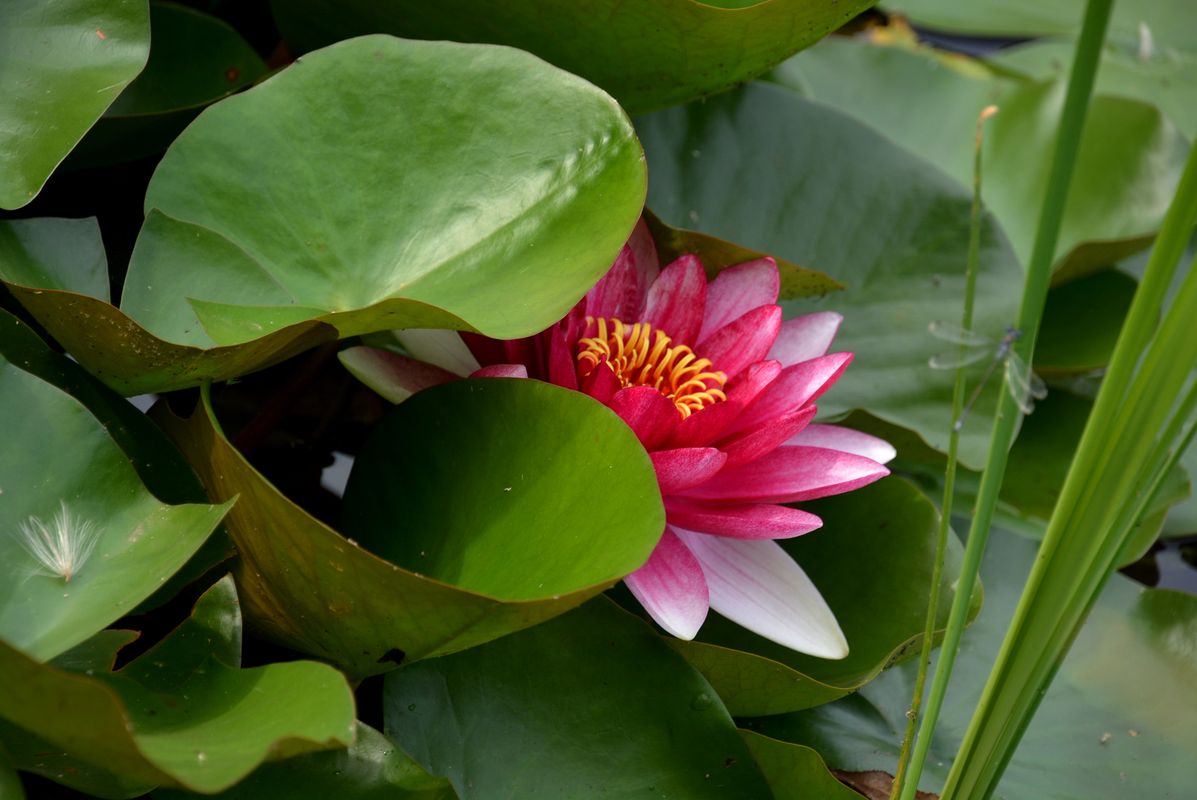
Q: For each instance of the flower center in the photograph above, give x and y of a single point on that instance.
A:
(640, 356)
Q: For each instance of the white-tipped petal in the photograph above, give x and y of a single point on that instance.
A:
(671, 587)
(845, 440)
(754, 583)
(443, 348)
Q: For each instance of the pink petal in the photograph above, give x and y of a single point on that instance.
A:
(502, 371)
(651, 415)
(443, 348)
(794, 388)
(743, 341)
(703, 427)
(737, 290)
(756, 584)
(620, 294)
(671, 587)
(601, 383)
(803, 338)
(686, 467)
(749, 383)
(846, 440)
(676, 300)
(755, 521)
(563, 367)
(755, 442)
(789, 474)
(393, 376)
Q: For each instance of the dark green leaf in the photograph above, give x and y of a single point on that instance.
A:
(795, 772)
(62, 64)
(592, 704)
(372, 768)
(648, 53)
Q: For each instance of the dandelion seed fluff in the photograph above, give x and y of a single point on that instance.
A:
(62, 547)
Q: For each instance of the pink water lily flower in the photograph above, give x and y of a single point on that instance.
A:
(721, 392)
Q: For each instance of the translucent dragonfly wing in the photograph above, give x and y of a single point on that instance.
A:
(973, 346)
(1025, 386)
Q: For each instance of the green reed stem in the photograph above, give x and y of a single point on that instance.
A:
(945, 514)
(1076, 103)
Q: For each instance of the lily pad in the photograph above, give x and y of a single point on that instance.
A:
(795, 772)
(371, 768)
(488, 534)
(180, 714)
(880, 602)
(1097, 733)
(1145, 72)
(157, 462)
(53, 253)
(1168, 21)
(799, 180)
(246, 257)
(82, 541)
(195, 60)
(647, 53)
(548, 699)
(61, 66)
(1128, 166)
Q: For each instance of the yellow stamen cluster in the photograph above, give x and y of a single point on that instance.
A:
(640, 356)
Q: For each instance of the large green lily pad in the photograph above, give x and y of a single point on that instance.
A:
(82, 541)
(1128, 166)
(181, 714)
(880, 602)
(647, 53)
(484, 494)
(1098, 734)
(592, 704)
(768, 169)
(248, 254)
(61, 65)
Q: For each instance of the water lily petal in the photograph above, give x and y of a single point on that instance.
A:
(502, 371)
(671, 587)
(794, 388)
(790, 474)
(743, 341)
(393, 376)
(600, 383)
(805, 337)
(750, 521)
(650, 414)
(485, 349)
(756, 584)
(737, 290)
(676, 300)
(846, 440)
(753, 443)
(703, 427)
(685, 467)
(621, 293)
(443, 348)
(751, 381)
